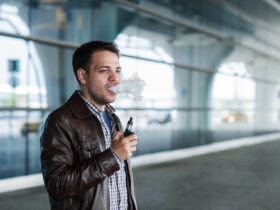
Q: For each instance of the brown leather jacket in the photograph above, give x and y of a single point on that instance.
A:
(75, 164)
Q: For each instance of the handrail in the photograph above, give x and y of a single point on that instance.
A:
(49, 109)
(179, 65)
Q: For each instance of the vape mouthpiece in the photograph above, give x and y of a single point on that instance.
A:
(130, 121)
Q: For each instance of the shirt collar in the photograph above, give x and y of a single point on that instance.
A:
(95, 108)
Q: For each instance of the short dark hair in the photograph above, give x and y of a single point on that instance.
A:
(82, 55)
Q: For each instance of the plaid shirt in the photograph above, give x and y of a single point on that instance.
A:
(118, 190)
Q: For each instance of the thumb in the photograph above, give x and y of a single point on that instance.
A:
(118, 136)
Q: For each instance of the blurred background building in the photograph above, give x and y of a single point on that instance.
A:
(211, 69)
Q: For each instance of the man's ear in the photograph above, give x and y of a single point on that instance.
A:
(82, 76)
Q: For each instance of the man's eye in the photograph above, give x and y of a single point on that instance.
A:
(118, 71)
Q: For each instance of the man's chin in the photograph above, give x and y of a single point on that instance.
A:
(111, 99)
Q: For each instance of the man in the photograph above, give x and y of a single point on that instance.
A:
(84, 156)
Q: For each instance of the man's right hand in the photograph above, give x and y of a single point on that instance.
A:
(124, 146)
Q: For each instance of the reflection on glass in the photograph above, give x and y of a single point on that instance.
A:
(19, 142)
(234, 92)
(22, 81)
(158, 77)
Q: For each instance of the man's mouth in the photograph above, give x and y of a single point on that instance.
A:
(113, 89)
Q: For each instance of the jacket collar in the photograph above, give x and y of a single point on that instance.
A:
(79, 107)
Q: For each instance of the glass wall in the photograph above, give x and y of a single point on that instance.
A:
(210, 73)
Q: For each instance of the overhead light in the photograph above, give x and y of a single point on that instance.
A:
(8, 8)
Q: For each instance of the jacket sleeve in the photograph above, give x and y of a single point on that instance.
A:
(63, 177)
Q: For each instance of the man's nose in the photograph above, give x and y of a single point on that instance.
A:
(114, 76)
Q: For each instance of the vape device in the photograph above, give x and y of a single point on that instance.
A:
(128, 129)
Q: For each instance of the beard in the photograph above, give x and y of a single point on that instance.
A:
(98, 98)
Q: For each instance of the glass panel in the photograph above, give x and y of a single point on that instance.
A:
(20, 142)
(198, 89)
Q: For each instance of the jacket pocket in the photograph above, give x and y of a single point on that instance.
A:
(86, 152)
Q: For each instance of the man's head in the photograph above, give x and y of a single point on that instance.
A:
(83, 54)
(96, 67)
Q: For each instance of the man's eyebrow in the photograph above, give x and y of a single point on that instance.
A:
(108, 67)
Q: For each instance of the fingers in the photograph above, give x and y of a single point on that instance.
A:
(133, 149)
(131, 137)
(118, 136)
(130, 145)
(133, 143)
(125, 145)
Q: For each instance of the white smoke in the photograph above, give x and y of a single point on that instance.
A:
(133, 86)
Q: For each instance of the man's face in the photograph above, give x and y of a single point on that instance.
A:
(104, 72)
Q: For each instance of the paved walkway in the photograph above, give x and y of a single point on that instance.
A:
(241, 179)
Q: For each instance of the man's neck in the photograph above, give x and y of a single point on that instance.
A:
(91, 100)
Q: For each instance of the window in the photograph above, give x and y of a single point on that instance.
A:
(13, 65)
